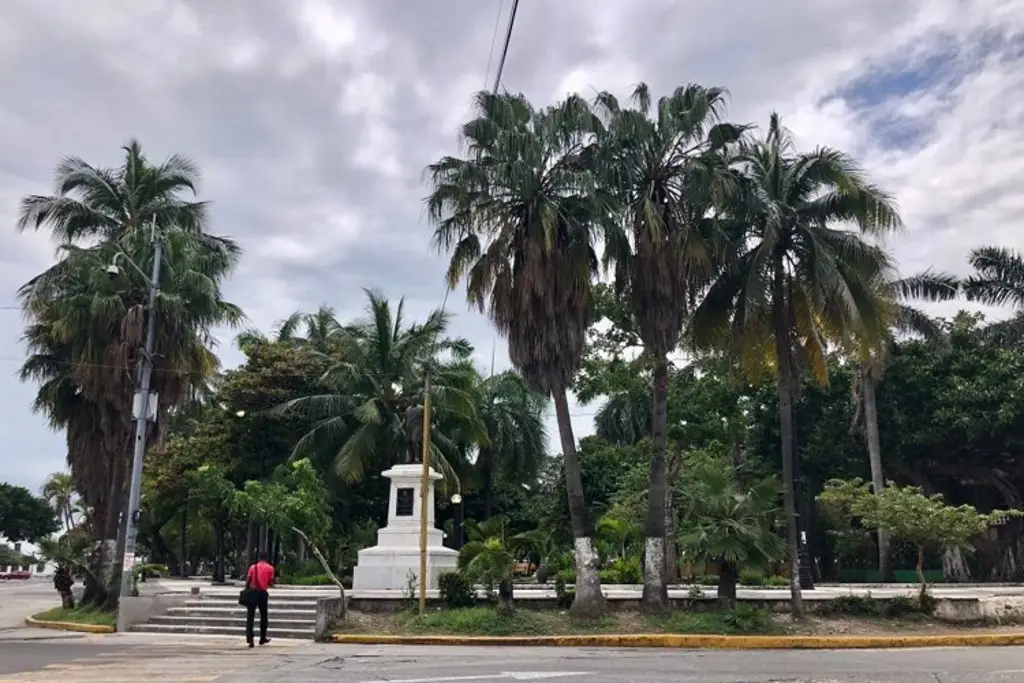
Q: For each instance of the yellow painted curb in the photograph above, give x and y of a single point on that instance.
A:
(699, 642)
(68, 626)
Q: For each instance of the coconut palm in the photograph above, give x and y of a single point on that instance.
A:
(59, 492)
(998, 280)
(666, 171)
(517, 217)
(377, 375)
(517, 440)
(906, 319)
(794, 282)
(317, 331)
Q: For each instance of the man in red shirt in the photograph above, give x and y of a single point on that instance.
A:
(259, 578)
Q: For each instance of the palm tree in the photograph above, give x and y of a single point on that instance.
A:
(317, 331)
(728, 526)
(518, 218)
(665, 172)
(906, 319)
(59, 492)
(377, 375)
(794, 282)
(517, 440)
(998, 280)
(85, 327)
(488, 558)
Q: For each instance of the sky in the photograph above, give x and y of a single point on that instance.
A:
(312, 121)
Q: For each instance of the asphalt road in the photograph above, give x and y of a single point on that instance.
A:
(354, 664)
(34, 656)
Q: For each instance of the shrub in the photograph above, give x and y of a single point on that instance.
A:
(707, 580)
(752, 578)
(563, 596)
(776, 581)
(311, 580)
(568, 577)
(852, 605)
(747, 619)
(456, 590)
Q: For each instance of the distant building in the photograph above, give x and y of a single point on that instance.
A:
(41, 569)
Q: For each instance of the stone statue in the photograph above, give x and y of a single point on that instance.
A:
(414, 435)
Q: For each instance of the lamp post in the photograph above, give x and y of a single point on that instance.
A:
(142, 406)
(457, 522)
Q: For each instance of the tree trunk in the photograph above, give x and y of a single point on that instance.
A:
(920, 569)
(505, 593)
(954, 567)
(249, 556)
(727, 577)
(875, 459)
(589, 601)
(655, 594)
(488, 486)
(184, 542)
(784, 360)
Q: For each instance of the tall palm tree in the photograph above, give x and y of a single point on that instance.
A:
(517, 441)
(998, 280)
(518, 216)
(59, 492)
(665, 171)
(906, 319)
(377, 375)
(86, 328)
(317, 331)
(795, 282)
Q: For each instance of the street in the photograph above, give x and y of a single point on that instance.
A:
(37, 656)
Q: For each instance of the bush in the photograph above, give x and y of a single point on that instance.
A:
(901, 606)
(746, 619)
(707, 580)
(752, 578)
(309, 580)
(851, 605)
(776, 581)
(563, 596)
(624, 570)
(568, 577)
(456, 590)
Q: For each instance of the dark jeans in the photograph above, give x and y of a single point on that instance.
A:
(261, 603)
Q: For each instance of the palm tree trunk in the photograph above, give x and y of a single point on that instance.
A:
(655, 594)
(506, 605)
(589, 600)
(875, 458)
(727, 577)
(784, 360)
(488, 485)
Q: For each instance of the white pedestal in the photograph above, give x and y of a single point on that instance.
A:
(395, 560)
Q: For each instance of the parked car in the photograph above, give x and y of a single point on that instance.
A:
(16, 575)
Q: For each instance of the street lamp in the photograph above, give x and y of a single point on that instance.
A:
(457, 522)
(143, 406)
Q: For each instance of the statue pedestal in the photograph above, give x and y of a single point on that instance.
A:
(391, 564)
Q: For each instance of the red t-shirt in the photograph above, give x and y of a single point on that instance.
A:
(261, 575)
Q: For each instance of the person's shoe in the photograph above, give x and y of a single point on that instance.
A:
(250, 644)
(264, 641)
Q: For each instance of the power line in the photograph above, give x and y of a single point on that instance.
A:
(504, 49)
(494, 39)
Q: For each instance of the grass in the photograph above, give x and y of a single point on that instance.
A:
(78, 615)
(486, 621)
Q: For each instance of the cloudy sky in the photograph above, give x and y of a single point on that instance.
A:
(313, 119)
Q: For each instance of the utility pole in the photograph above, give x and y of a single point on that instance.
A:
(140, 408)
(425, 487)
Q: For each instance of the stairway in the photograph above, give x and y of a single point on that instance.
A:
(292, 614)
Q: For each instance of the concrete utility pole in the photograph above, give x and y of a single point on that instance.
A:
(141, 408)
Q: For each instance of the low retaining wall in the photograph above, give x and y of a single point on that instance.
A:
(139, 610)
(952, 609)
(328, 611)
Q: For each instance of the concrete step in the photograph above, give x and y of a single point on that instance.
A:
(223, 630)
(231, 611)
(283, 604)
(279, 623)
(289, 599)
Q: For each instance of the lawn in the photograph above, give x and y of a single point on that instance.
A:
(486, 621)
(78, 615)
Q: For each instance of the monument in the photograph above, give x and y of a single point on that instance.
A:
(395, 560)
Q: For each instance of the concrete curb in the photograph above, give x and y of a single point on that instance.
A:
(701, 642)
(68, 626)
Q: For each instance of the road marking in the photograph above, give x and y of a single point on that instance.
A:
(503, 675)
